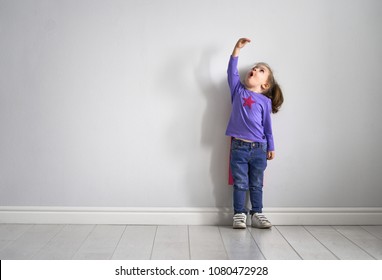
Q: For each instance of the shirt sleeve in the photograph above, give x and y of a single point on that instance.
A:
(233, 74)
(268, 127)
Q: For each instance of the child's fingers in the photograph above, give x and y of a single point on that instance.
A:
(270, 155)
(242, 42)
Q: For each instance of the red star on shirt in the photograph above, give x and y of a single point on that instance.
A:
(248, 102)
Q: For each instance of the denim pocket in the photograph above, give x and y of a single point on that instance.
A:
(235, 145)
(264, 147)
(238, 145)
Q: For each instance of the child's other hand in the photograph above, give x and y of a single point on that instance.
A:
(242, 42)
(270, 155)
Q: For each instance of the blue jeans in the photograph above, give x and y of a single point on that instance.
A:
(248, 163)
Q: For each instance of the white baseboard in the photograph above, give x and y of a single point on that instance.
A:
(186, 216)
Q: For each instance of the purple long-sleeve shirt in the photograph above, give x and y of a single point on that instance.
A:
(251, 112)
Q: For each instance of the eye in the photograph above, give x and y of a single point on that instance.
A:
(262, 70)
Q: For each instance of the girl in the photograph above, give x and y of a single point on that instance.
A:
(251, 130)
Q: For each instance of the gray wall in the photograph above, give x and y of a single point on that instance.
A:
(125, 103)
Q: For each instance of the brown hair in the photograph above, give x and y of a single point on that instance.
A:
(274, 92)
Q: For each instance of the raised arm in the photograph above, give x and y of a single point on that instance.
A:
(239, 45)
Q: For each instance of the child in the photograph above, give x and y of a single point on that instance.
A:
(251, 130)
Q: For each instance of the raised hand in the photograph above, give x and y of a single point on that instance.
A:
(239, 45)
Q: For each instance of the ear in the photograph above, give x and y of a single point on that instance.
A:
(265, 86)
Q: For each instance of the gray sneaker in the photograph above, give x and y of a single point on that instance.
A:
(240, 221)
(260, 221)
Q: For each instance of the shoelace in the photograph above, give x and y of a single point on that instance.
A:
(262, 218)
(240, 218)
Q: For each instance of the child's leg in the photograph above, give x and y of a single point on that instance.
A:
(239, 168)
(257, 166)
(240, 187)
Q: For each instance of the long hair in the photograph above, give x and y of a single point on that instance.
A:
(274, 92)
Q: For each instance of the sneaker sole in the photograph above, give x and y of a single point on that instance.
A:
(239, 227)
(263, 227)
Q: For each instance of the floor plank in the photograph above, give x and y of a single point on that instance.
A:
(65, 244)
(374, 230)
(101, 243)
(33, 239)
(363, 239)
(4, 243)
(240, 245)
(305, 244)
(206, 243)
(13, 231)
(171, 243)
(188, 242)
(136, 243)
(342, 247)
(10, 232)
(273, 245)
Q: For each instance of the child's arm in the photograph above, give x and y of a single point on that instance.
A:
(239, 45)
(233, 73)
(268, 131)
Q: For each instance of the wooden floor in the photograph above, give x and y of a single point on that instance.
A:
(121, 242)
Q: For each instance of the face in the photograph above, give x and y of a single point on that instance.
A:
(257, 78)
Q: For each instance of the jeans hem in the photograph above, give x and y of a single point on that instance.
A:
(240, 212)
